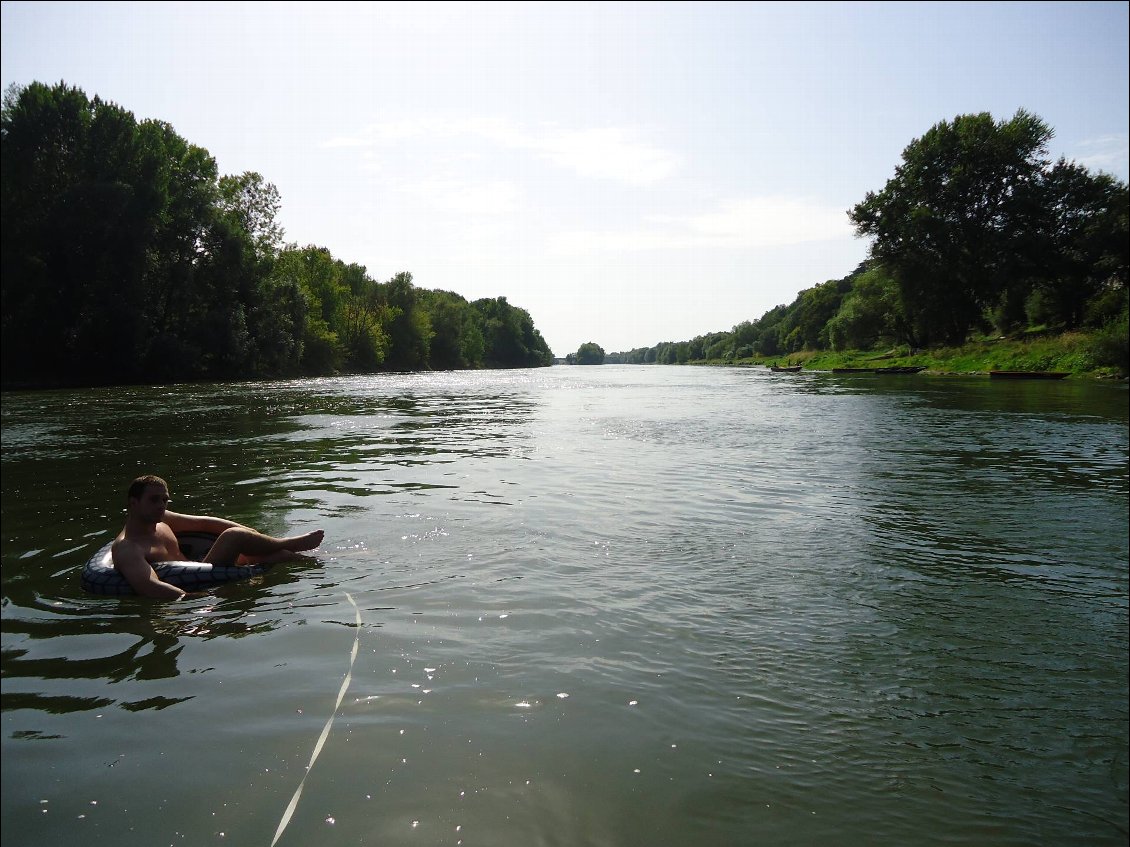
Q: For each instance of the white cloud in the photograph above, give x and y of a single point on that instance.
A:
(606, 154)
(747, 223)
(611, 153)
(345, 142)
(1106, 153)
(468, 198)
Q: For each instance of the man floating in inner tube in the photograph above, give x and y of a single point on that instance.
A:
(150, 536)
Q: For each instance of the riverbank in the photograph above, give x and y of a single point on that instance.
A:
(1072, 353)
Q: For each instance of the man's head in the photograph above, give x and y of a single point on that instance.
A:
(147, 497)
(138, 486)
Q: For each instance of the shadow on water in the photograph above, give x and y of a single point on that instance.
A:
(117, 640)
(976, 393)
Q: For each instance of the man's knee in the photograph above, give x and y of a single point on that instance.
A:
(228, 546)
(233, 533)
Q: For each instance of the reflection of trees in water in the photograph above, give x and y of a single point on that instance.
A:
(152, 655)
(159, 635)
(242, 451)
(1078, 399)
(340, 445)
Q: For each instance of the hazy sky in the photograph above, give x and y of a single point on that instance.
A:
(628, 173)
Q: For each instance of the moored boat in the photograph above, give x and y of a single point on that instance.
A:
(789, 370)
(901, 369)
(853, 370)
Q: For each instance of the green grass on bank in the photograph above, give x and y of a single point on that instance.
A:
(1083, 355)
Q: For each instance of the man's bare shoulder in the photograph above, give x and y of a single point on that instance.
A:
(127, 551)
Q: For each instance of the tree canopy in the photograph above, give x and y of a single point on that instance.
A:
(589, 353)
(976, 221)
(127, 257)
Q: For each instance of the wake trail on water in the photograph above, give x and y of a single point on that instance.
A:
(326, 729)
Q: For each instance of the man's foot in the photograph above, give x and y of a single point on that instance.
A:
(305, 542)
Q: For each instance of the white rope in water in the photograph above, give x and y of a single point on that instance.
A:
(326, 729)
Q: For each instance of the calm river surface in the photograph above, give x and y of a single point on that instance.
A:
(594, 606)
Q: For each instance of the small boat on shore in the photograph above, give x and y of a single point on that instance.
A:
(789, 370)
(901, 369)
(1028, 374)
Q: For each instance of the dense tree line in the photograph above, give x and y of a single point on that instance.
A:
(976, 232)
(127, 257)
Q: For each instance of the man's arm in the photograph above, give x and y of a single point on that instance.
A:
(179, 523)
(130, 563)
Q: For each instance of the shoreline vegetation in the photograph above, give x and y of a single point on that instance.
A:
(128, 259)
(1077, 354)
(1094, 354)
(985, 256)
(1070, 353)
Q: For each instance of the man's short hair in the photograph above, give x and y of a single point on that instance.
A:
(138, 486)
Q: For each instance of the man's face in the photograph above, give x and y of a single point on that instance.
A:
(151, 505)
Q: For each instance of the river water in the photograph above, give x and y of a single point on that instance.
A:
(593, 606)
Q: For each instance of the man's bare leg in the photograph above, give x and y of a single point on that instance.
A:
(240, 545)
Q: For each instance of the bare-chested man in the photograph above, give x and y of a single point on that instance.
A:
(150, 536)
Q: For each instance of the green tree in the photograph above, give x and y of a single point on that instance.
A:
(457, 339)
(955, 224)
(277, 325)
(362, 319)
(63, 228)
(869, 313)
(510, 339)
(319, 277)
(721, 348)
(410, 329)
(1086, 245)
(590, 353)
(770, 328)
(254, 204)
(813, 309)
(112, 243)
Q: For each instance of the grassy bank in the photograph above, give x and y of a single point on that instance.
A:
(1083, 355)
